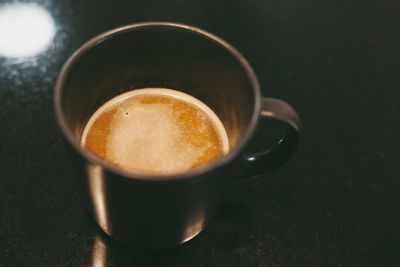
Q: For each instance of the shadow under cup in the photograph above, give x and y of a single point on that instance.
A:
(156, 212)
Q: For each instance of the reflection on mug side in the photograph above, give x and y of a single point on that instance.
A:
(195, 227)
(96, 189)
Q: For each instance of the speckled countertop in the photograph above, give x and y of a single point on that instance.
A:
(335, 203)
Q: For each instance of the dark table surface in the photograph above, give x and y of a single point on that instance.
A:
(336, 202)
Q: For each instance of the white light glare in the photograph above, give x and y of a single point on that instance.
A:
(25, 29)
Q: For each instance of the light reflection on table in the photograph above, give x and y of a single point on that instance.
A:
(26, 29)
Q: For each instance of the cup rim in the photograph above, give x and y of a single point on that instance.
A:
(94, 159)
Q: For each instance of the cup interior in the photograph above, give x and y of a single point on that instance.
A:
(158, 55)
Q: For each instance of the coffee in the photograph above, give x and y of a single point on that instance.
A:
(155, 131)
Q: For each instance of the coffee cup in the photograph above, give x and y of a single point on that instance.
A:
(160, 211)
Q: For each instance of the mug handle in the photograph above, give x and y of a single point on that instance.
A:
(259, 162)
